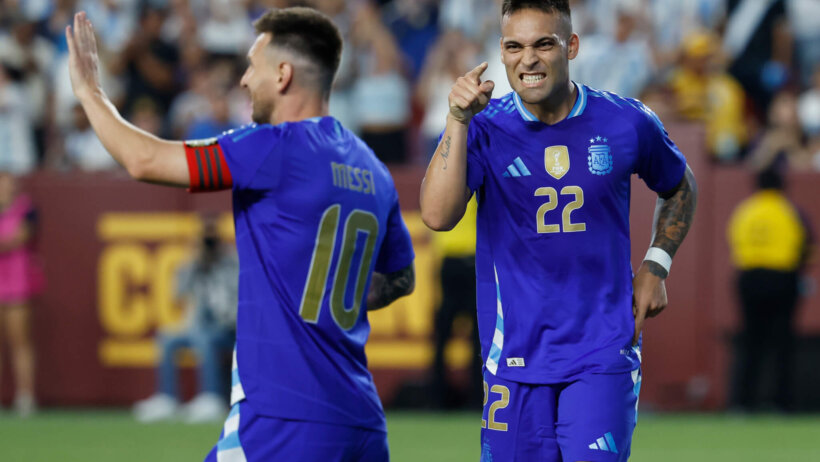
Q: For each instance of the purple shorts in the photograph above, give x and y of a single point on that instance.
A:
(589, 419)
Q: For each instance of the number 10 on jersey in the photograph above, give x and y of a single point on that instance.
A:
(357, 221)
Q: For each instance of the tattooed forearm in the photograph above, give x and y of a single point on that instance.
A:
(445, 153)
(674, 216)
(385, 288)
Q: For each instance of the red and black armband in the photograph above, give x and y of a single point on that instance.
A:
(207, 168)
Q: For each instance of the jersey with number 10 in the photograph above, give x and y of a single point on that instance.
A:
(315, 214)
(553, 250)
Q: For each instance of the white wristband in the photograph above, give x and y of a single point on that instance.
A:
(659, 256)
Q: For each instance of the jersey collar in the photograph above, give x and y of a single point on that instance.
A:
(577, 109)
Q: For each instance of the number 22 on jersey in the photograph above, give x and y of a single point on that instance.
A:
(323, 251)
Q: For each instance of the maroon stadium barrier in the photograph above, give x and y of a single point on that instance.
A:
(110, 247)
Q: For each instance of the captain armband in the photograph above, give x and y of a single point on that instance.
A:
(659, 256)
(207, 168)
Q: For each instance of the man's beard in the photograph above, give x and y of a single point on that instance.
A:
(262, 111)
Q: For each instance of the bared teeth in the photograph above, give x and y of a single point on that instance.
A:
(532, 78)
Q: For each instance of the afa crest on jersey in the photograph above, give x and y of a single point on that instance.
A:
(600, 156)
(556, 161)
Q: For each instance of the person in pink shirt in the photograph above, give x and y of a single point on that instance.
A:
(19, 280)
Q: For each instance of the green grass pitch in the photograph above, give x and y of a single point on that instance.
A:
(414, 436)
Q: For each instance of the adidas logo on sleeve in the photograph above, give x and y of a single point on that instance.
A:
(605, 443)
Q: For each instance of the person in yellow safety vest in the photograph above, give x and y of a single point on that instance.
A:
(770, 244)
(458, 297)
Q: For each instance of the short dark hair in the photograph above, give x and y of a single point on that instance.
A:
(308, 33)
(509, 7)
(547, 6)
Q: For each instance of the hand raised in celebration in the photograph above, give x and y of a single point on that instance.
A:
(83, 62)
(470, 95)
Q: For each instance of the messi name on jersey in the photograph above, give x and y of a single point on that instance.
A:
(353, 178)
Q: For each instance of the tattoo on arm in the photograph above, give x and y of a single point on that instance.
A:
(674, 217)
(385, 288)
(445, 153)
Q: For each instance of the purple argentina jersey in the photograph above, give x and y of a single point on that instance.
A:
(553, 251)
(315, 213)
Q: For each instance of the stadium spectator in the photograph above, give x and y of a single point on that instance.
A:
(704, 92)
(626, 55)
(415, 25)
(20, 279)
(759, 47)
(148, 63)
(226, 30)
(214, 121)
(451, 56)
(381, 91)
(18, 151)
(770, 243)
(808, 106)
(804, 23)
(207, 288)
(28, 58)
(782, 139)
(82, 149)
(115, 19)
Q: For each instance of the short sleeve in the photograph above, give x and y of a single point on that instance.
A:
(396, 252)
(247, 149)
(660, 163)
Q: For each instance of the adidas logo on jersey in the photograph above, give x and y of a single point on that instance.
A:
(605, 443)
(516, 169)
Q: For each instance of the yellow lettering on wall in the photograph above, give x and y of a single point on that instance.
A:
(167, 261)
(123, 310)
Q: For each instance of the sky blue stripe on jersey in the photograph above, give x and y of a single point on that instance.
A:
(580, 102)
(521, 167)
(230, 441)
(498, 335)
(234, 411)
(611, 442)
(234, 376)
(525, 114)
(512, 170)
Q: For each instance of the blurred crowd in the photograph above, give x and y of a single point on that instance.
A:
(748, 70)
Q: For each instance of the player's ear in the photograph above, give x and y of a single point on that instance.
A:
(572, 46)
(285, 76)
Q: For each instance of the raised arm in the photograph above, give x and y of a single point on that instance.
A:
(444, 191)
(673, 218)
(385, 288)
(146, 157)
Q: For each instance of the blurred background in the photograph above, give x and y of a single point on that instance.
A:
(736, 83)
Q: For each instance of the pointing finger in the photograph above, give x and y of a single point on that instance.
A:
(476, 72)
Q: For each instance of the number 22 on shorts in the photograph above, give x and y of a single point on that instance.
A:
(500, 403)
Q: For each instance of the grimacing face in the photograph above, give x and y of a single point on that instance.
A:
(535, 50)
(260, 79)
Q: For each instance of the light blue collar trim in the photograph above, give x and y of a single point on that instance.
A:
(313, 119)
(580, 101)
(578, 109)
(525, 114)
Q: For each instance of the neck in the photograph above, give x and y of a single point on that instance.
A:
(557, 106)
(293, 108)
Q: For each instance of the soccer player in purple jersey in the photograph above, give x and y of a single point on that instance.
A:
(319, 235)
(559, 311)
